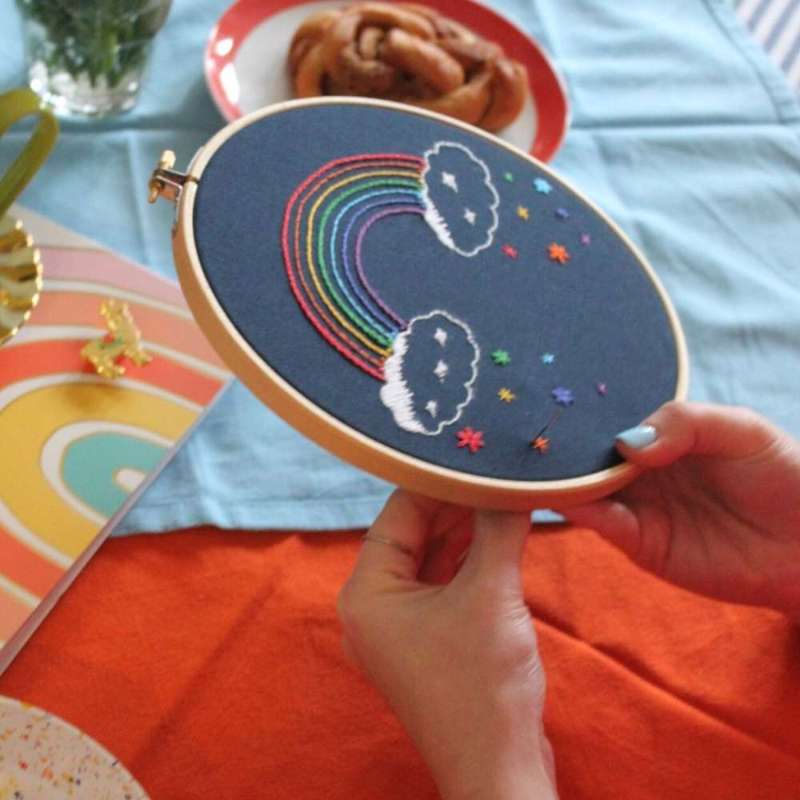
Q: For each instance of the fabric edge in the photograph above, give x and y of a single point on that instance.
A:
(772, 78)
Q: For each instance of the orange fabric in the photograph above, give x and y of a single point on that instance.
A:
(210, 663)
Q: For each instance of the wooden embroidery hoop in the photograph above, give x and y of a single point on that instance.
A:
(324, 428)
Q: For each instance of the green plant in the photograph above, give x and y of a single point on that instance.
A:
(101, 39)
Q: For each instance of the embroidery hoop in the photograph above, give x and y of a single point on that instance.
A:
(323, 427)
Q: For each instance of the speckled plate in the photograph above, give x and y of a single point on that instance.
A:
(20, 278)
(44, 758)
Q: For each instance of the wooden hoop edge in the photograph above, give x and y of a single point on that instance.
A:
(341, 439)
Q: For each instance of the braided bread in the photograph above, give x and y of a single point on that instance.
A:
(409, 53)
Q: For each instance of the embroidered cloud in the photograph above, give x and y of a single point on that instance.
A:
(430, 374)
(459, 197)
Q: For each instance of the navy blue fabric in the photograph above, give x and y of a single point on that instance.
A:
(598, 314)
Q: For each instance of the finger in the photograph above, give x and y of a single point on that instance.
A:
(679, 429)
(445, 554)
(614, 521)
(406, 521)
(498, 544)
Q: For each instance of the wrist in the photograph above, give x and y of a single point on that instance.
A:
(530, 783)
(511, 761)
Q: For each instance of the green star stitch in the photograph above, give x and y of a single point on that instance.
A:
(501, 358)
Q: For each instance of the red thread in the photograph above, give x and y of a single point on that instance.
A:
(471, 439)
(361, 354)
(367, 362)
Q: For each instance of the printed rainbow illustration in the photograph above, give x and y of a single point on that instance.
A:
(76, 445)
(327, 218)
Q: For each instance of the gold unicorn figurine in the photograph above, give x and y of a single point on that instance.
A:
(126, 342)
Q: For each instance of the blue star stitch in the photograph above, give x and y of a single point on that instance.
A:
(548, 358)
(542, 186)
(563, 396)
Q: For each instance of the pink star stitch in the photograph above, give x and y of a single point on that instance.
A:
(586, 239)
(510, 250)
(602, 389)
(471, 439)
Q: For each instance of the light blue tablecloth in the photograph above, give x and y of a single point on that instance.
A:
(681, 129)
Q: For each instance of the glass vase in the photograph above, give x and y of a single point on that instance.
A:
(88, 58)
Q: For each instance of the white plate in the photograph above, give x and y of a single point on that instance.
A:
(245, 64)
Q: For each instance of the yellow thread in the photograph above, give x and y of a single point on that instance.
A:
(384, 352)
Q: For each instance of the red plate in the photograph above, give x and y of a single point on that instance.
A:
(245, 64)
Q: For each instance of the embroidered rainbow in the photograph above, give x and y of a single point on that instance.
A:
(325, 225)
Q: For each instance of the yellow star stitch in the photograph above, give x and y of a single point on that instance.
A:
(506, 395)
(522, 212)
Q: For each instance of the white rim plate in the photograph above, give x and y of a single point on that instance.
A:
(44, 758)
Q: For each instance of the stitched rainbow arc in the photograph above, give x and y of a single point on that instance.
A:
(326, 222)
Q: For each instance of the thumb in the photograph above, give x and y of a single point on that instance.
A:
(679, 429)
(497, 545)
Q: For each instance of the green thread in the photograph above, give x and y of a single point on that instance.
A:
(501, 358)
(376, 336)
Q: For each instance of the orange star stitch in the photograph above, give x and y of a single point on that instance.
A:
(541, 443)
(558, 253)
(506, 395)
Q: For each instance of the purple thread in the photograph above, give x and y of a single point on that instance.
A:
(373, 300)
(389, 212)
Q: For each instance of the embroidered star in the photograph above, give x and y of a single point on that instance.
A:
(542, 186)
(586, 240)
(506, 395)
(501, 358)
(507, 176)
(441, 336)
(470, 215)
(602, 389)
(562, 213)
(563, 396)
(541, 443)
(522, 212)
(432, 407)
(440, 370)
(548, 358)
(449, 180)
(558, 253)
(510, 250)
(471, 439)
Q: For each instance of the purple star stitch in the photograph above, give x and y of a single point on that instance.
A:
(562, 213)
(563, 396)
(586, 240)
(602, 389)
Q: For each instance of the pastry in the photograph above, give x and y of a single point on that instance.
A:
(408, 53)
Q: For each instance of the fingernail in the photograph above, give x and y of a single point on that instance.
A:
(639, 437)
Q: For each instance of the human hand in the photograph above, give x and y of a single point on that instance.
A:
(449, 641)
(717, 509)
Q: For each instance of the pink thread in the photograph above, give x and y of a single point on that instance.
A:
(353, 345)
(352, 352)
